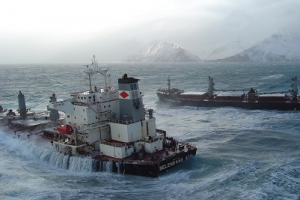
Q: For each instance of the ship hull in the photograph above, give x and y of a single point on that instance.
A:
(246, 104)
(141, 167)
(160, 164)
(150, 166)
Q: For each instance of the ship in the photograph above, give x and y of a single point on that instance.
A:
(249, 99)
(109, 125)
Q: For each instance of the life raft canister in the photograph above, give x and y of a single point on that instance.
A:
(65, 129)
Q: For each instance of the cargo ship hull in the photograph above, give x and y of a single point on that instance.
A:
(271, 104)
(232, 98)
(149, 168)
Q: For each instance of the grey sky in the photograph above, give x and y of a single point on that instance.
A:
(71, 31)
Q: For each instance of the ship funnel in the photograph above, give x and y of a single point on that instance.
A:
(130, 98)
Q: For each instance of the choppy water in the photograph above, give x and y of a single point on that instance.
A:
(242, 154)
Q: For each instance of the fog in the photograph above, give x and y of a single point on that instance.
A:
(55, 31)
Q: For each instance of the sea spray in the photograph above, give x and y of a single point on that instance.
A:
(32, 149)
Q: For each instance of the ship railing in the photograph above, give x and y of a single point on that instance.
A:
(90, 103)
(102, 101)
(99, 90)
(171, 90)
(114, 144)
(59, 103)
(162, 132)
(93, 126)
(156, 159)
(147, 140)
(40, 113)
(126, 121)
(122, 144)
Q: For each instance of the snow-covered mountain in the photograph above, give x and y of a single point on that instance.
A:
(279, 47)
(228, 50)
(161, 52)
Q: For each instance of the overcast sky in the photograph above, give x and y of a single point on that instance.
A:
(71, 31)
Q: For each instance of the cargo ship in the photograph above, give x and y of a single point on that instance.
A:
(251, 99)
(109, 125)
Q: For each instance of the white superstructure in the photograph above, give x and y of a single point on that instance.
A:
(106, 120)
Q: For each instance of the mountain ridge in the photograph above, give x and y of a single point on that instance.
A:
(279, 47)
(161, 52)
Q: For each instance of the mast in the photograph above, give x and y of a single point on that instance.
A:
(103, 72)
(169, 83)
(294, 88)
(90, 72)
(54, 115)
(211, 88)
(22, 105)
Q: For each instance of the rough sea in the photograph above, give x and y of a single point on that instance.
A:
(242, 154)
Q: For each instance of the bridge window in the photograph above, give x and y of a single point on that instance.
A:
(133, 86)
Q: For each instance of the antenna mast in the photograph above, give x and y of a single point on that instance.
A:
(211, 85)
(103, 72)
(294, 88)
(169, 83)
(90, 72)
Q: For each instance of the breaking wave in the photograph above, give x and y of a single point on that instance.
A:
(272, 77)
(30, 149)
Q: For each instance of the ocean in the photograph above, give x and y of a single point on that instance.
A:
(242, 154)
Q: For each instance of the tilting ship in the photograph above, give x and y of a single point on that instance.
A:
(252, 99)
(107, 124)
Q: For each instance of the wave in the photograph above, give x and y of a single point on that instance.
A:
(40, 150)
(272, 77)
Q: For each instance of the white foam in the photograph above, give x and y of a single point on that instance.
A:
(32, 150)
(273, 77)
